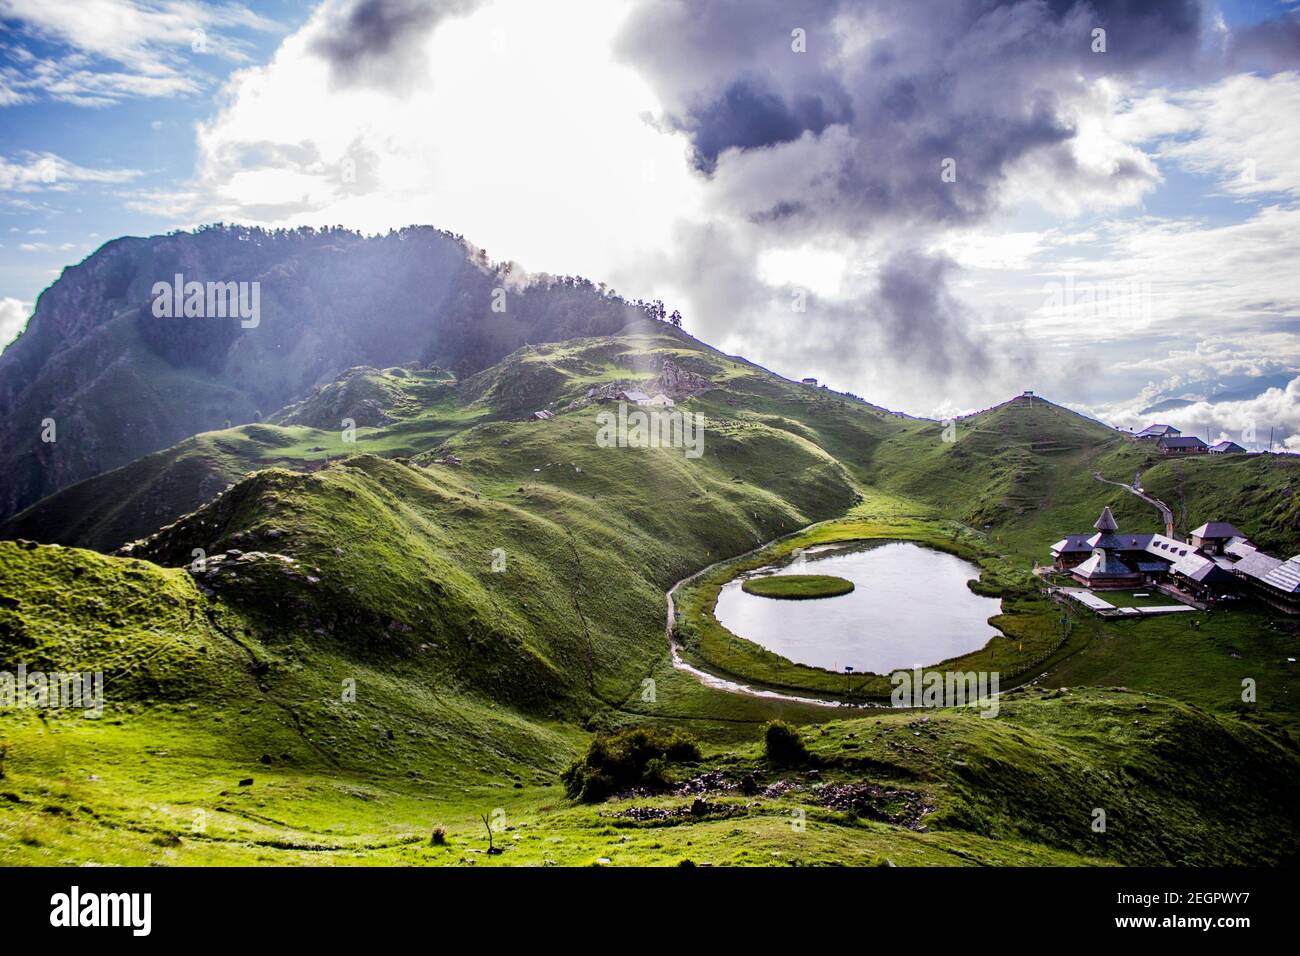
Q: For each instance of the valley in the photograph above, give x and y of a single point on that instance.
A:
(322, 640)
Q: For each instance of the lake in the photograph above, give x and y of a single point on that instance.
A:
(910, 607)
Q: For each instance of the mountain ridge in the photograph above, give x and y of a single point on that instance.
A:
(118, 382)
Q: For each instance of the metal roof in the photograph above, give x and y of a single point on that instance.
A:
(1286, 576)
(1157, 430)
(1239, 547)
(1257, 565)
(1217, 529)
(1103, 565)
(1190, 442)
(1107, 521)
(1072, 542)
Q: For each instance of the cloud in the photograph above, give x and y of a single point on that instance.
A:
(885, 93)
(1270, 45)
(1274, 412)
(41, 172)
(14, 314)
(113, 50)
(686, 151)
(380, 42)
(748, 114)
(1240, 131)
(554, 164)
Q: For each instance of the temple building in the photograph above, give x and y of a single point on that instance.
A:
(1113, 560)
(1219, 560)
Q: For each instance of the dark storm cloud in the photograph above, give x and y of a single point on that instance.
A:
(750, 114)
(902, 85)
(920, 318)
(847, 140)
(1139, 33)
(378, 42)
(909, 328)
(906, 325)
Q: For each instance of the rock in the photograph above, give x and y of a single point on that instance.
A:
(246, 782)
(676, 382)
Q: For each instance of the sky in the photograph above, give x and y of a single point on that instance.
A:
(933, 204)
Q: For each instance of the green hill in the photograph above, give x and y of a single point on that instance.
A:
(318, 649)
(121, 382)
(405, 412)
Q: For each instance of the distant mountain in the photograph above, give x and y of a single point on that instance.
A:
(1167, 405)
(1232, 388)
(109, 381)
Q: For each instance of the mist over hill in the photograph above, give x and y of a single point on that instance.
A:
(118, 382)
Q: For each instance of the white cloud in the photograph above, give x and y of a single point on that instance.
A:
(1098, 153)
(14, 314)
(524, 135)
(1274, 413)
(1244, 133)
(39, 172)
(142, 38)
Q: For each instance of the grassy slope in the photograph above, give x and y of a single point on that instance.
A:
(519, 666)
(130, 502)
(1022, 476)
(1025, 472)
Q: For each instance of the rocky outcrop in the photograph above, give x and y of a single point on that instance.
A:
(362, 395)
(677, 383)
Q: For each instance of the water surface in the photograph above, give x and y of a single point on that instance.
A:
(910, 607)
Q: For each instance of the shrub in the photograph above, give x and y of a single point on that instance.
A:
(632, 758)
(783, 744)
(439, 837)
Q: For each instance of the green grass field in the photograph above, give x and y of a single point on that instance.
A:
(384, 644)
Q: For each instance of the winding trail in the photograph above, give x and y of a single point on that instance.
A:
(720, 683)
(1165, 512)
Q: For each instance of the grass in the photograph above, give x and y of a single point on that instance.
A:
(388, 645)
(1130, 599)
(1030, 624)
(1178, 787)
(797, 587)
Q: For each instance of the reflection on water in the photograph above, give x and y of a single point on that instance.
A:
(910, 607)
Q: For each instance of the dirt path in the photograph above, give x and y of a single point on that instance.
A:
(1166, 514)
(720, 683)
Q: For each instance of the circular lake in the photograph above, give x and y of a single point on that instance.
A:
(910, 607)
